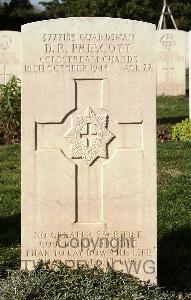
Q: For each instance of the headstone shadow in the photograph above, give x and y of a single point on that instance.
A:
(171, 120)
(174, 260)
(10, 228)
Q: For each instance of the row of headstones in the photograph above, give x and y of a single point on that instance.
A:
(172, 59)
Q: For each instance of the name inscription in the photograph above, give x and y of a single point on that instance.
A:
(90, 53)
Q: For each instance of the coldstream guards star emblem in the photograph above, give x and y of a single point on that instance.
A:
(89, 136)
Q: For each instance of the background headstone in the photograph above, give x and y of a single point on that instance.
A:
(89, 144)
(189, 75)
(171, 62)
(10, 55)
(187, 50)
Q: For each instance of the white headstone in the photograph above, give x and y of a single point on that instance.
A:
(89, 144)
(171, 62)
(187, 50)
(189, 75)
(10, 55)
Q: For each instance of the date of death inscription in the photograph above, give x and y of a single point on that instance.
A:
(89, 53)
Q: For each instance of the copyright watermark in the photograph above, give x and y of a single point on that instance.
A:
(63, 241)
(129, 267)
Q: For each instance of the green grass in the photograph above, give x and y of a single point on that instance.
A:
(9, 207)
(174, 215)
(10, 180)
(171, 110)
(174, 203)
(174, 212)
(174, 199)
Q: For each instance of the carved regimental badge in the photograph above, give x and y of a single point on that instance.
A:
(89, 136)
(168, 41)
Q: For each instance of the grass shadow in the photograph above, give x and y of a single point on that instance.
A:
(171, 120)
(10, 230)
(2, 142)
(174, 260)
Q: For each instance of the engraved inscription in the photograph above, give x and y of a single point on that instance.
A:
(93, 53)
(101, 249)
(89, 136)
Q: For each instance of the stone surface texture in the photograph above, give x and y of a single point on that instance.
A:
(89, 144)
(171, 62)
(187, 50)
(189, 75)
(10, 55)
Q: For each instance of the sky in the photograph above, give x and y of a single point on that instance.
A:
(35, 2)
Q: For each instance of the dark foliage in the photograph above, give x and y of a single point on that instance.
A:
(163, 133)
(62, 283)
(15, 13)
(10, 111)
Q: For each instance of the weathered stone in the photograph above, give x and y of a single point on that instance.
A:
(171, 62)
(187, 50)
(10, 55)
(189, 75)
(89, 144)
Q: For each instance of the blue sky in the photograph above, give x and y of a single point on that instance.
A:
(35, 2)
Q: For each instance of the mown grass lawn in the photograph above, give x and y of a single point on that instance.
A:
(171, 110)
(10, 200)
(174, 203)
(174, 215)
(174, 199)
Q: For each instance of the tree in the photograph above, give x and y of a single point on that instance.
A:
(144, 10)
(1, 8)
(19, 8)
(182, 13)
(53, 9)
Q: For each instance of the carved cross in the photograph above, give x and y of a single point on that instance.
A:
(89, 157)
(168, 69)
(88, 134)
(4, 74)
